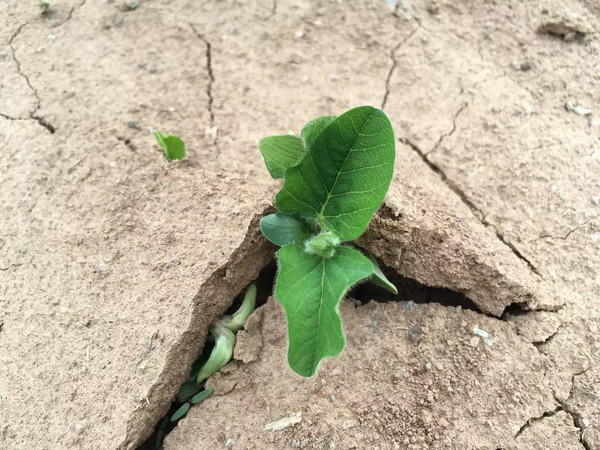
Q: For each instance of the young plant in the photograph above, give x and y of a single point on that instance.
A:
(173, 147)
(337, 174)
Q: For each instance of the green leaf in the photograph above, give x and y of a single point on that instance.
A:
(201, 396)
(345, 175)
(187, 390)
(173, 147)
(182, 411)
(281, 153)
(379, 278)
(310, 288)
(283, 229)
(314, 128)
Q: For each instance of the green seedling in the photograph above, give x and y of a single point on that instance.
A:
(236, 321)
(336, 175)
(173, 146)
(47, 10)
(221, 354)
(209, 362)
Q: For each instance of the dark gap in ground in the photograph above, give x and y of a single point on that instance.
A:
(515, 309)
(409, 289)
(264, 284)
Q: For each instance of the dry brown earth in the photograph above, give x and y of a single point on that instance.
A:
(113, 262)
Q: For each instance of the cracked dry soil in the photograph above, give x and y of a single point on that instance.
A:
(113, 263)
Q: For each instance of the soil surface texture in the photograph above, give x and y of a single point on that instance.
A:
(114, 262)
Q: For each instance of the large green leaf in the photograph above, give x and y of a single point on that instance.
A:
(284, 229)
(281, 153)
(345, 174)
(311, 131)
(310, 288)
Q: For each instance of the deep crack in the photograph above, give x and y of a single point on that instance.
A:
(476, 212)
(209, 69)
(394, 64)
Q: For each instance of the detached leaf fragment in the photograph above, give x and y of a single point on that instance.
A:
(173, 146)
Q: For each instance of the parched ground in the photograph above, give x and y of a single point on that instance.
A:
(113, 262)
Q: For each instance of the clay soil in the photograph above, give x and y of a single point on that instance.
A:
(113, 262)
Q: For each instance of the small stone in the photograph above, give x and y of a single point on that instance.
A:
(79, 427)
(525, 66)
(101, 265)
(284, 423)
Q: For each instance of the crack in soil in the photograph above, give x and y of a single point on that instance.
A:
(533, 420)
(451, 132)
(71, 11)
(273, 11)
(394, 64)
(212, 300)
(476, 211)
(32, 114)
(577, 417)
(211, 79)
(566, 236)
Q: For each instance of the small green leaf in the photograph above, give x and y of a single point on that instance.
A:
(187, 390)
(379, 278)
(201, 396)
(283, 229)
(182, 411)
(173, 147)
(310, 288)
(281, 153)
(314, 128)
(345, 175)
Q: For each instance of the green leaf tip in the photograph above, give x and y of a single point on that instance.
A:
(181, 411)
(379, 278)
(173, 146)
(310, 288)
(201, 396)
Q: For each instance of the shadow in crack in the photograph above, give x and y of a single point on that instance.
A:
(409, 289)
(164, 426)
